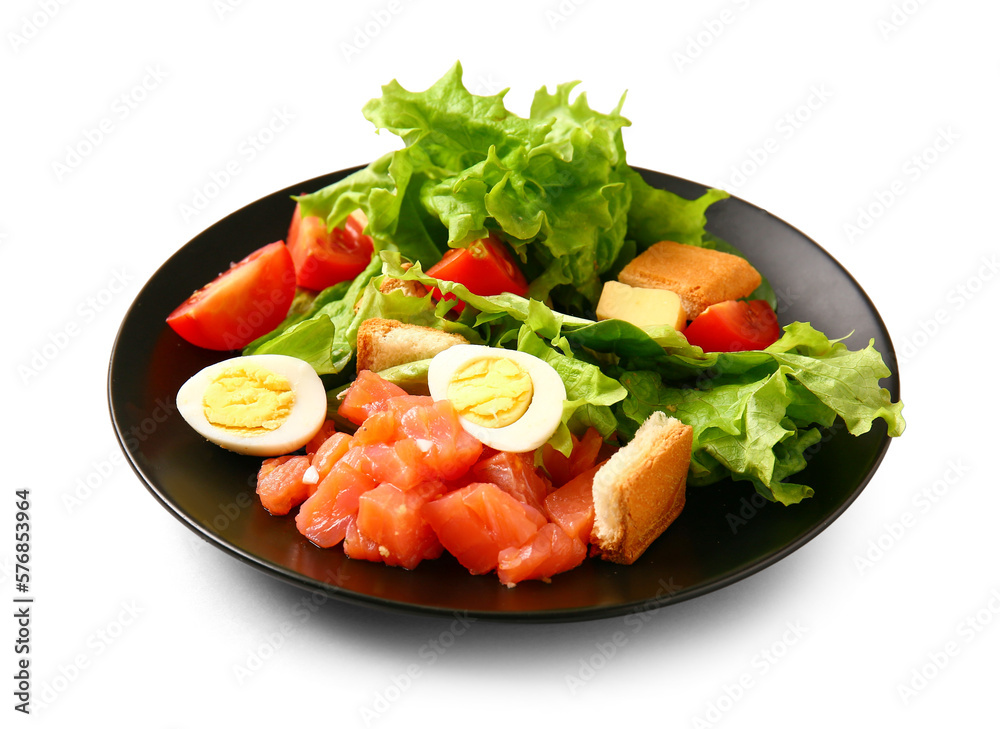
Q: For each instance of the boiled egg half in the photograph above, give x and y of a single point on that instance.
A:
(260, 405)
(509, 400)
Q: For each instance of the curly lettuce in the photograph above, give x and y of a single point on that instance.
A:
(555, 185)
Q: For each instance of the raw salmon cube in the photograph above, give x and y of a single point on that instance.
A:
(402, 404)
(396, 463)
(447, 449)
(516, 474)
(331, 451)
(358, 546)
(548, 552)
(408, 439)
(477, 521)
(328, 428)
(496, 509)
(280, 485)
(556, 464)
(586, 452)
(366, 395)
(378, 428)
(391, 518)
(572, 506)
(324, 517)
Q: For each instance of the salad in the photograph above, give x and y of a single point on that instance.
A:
(503, 231)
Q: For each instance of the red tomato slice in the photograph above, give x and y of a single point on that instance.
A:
(243, 303)
(485, 268)
(734, 326)
(323, 258)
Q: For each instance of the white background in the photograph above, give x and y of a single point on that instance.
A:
(160, 622)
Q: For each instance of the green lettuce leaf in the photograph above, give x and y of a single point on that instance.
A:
(657, 215)
(554, 185)
(752, 412)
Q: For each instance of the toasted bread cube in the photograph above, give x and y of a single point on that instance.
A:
(385, 343)
(700, 276)
(640, 490)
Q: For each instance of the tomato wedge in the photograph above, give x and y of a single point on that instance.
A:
(241, 304)
(324, 257)
(734, 326)
(484, 268)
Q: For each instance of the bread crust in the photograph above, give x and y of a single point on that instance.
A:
(384, 343)
(642, 489)
(700, 276)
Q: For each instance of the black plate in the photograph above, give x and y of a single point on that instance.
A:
(725, 533)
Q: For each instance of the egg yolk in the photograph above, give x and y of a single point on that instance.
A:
(490, 391)
(247, 400)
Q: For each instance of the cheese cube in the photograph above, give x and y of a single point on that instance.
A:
(642, 307)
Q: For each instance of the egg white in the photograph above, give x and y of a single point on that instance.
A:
(306, 418)
(543, 415)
